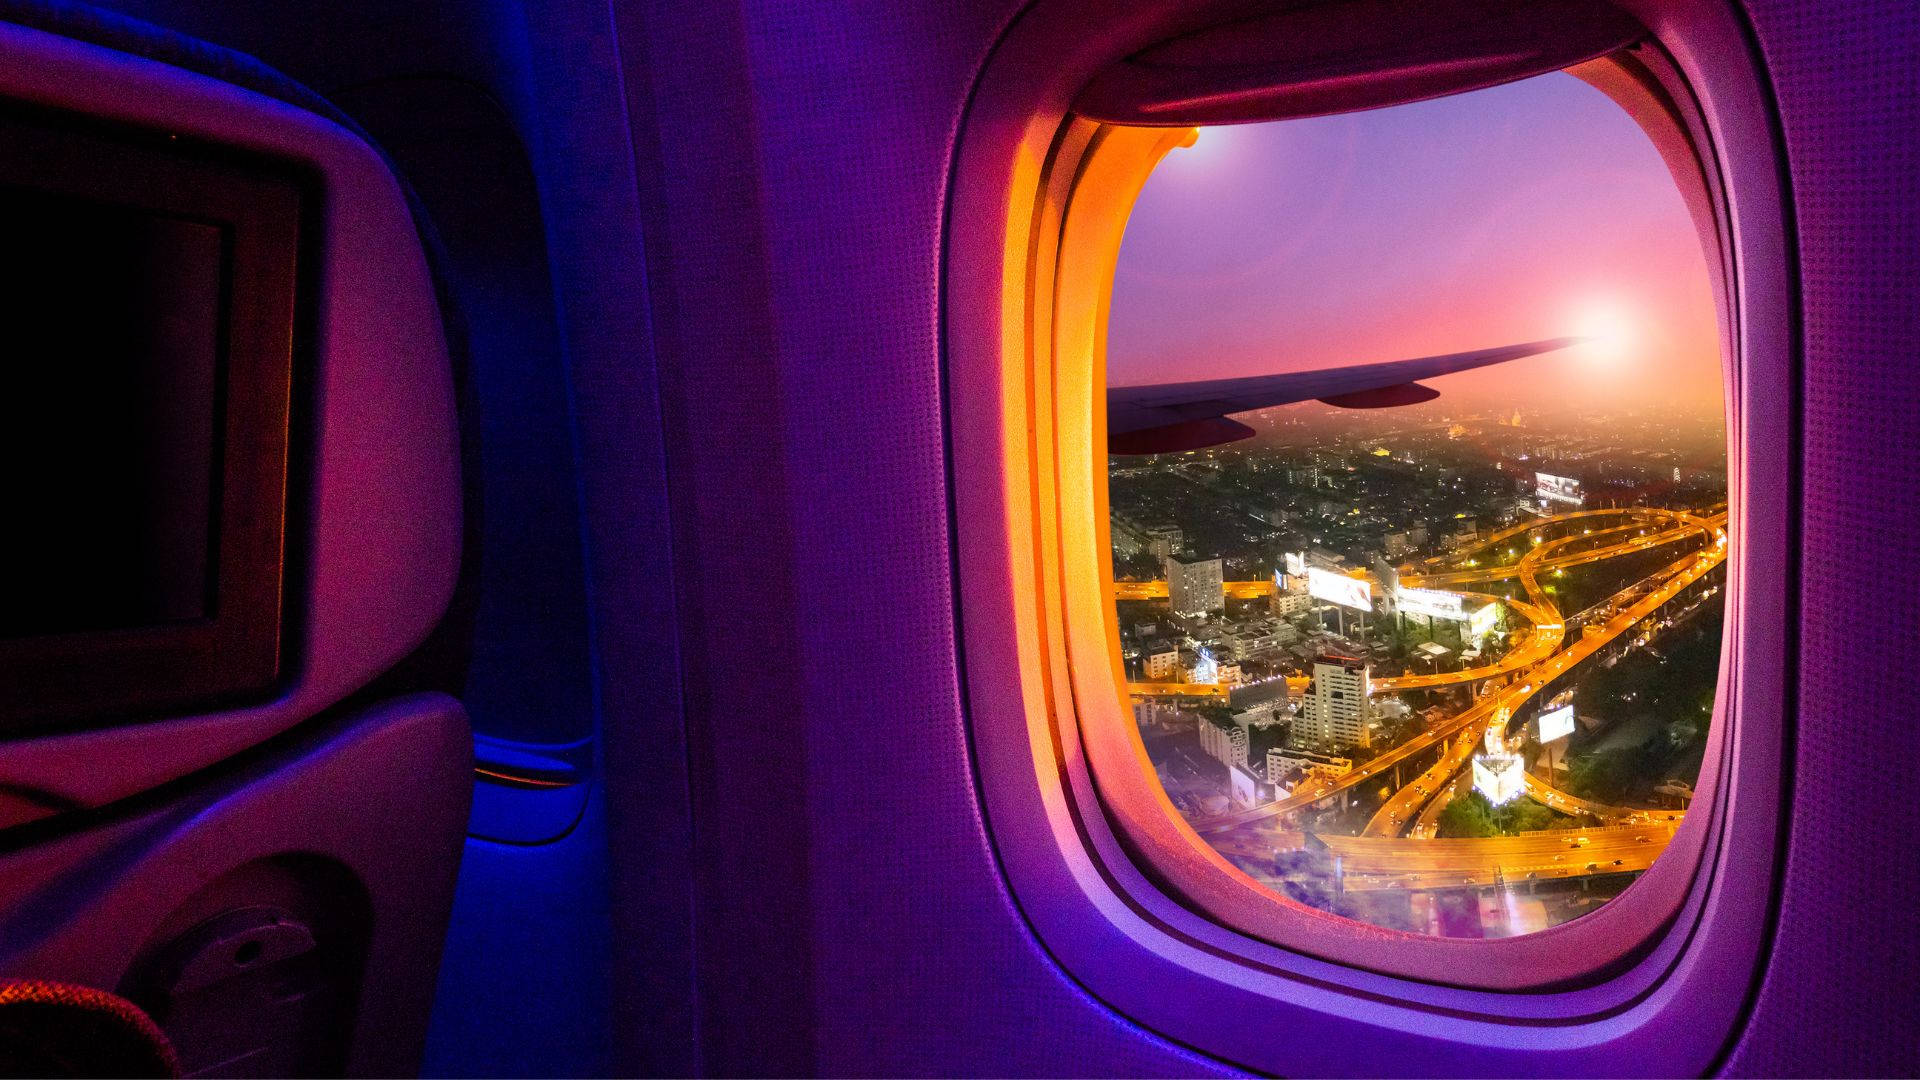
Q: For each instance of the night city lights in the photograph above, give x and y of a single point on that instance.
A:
(1447, 667)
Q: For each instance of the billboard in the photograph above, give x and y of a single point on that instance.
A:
(1556, 723)
(1433, 602)
(1551, 488)
(1246, 788)
(1339, 589)
(1296, 563)
(1484, 621)
(1206, 669)
(1500, 777)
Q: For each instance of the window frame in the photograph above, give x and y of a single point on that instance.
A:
(1145, 917)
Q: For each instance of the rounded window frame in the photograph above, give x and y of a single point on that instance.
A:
(1120, 891)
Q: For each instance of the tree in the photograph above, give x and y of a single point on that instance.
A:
(1472, 815)
(1525, 815)
(1468, 816)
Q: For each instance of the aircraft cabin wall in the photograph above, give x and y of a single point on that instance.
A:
(706, 424)
(796, 241)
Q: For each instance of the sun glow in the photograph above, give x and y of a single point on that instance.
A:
(1610, 327)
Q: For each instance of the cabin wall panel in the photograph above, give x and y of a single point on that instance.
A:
(802, 155)
(1837, 997)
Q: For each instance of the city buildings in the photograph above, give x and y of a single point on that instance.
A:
(1335, 711)
(1413, 503)
(1160, 660)
(1288, 604)
(1223, 740)
(1288, 768)
(1163, 541)
(1194, 588)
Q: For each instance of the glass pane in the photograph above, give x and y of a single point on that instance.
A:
(1447, 667)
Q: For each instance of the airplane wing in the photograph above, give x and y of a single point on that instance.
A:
(1189, 416)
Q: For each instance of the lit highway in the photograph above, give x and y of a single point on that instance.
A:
(1398, 813)
(1372, 862)
(1541, 636)
(1671, 581)
(1526, 527)
(1400, 810)
(1496, 573)
(1541, 792)
(1427, 825)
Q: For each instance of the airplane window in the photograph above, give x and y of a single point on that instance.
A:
(1444, 664)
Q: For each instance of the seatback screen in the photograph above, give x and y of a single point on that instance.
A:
(109, 371)
(149, 326)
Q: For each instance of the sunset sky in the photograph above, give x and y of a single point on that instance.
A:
(1526, 211)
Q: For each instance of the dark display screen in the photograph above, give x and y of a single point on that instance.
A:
(111, 327)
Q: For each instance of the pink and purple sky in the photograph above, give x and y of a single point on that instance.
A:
(1526, 211)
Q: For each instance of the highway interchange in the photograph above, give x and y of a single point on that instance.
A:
(1628, 839)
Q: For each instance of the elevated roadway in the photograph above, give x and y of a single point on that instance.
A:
(1400, 810)
(1674, 578)
(1369, 863)
(1543, 634)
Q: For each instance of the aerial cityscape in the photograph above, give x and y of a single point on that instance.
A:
(1447, 668)
(1444, 673)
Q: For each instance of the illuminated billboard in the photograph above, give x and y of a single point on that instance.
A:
(1296, 563)
(1564, 489)
(1439, 605)
(1556, 723)
(1339, 589)
(1500, 777)
(1206, 669)
(1484, 621)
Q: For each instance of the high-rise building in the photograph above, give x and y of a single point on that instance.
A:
(1195, 588)
(1224, 740)
(1335, 711)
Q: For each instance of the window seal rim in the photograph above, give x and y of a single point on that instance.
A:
(1702, 24)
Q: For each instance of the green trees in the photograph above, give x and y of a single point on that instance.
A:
(1468, 816)
(1525, 815)
(1609, 776)
(1472, 815)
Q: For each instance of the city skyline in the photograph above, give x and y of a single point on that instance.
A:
(1521, 212)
